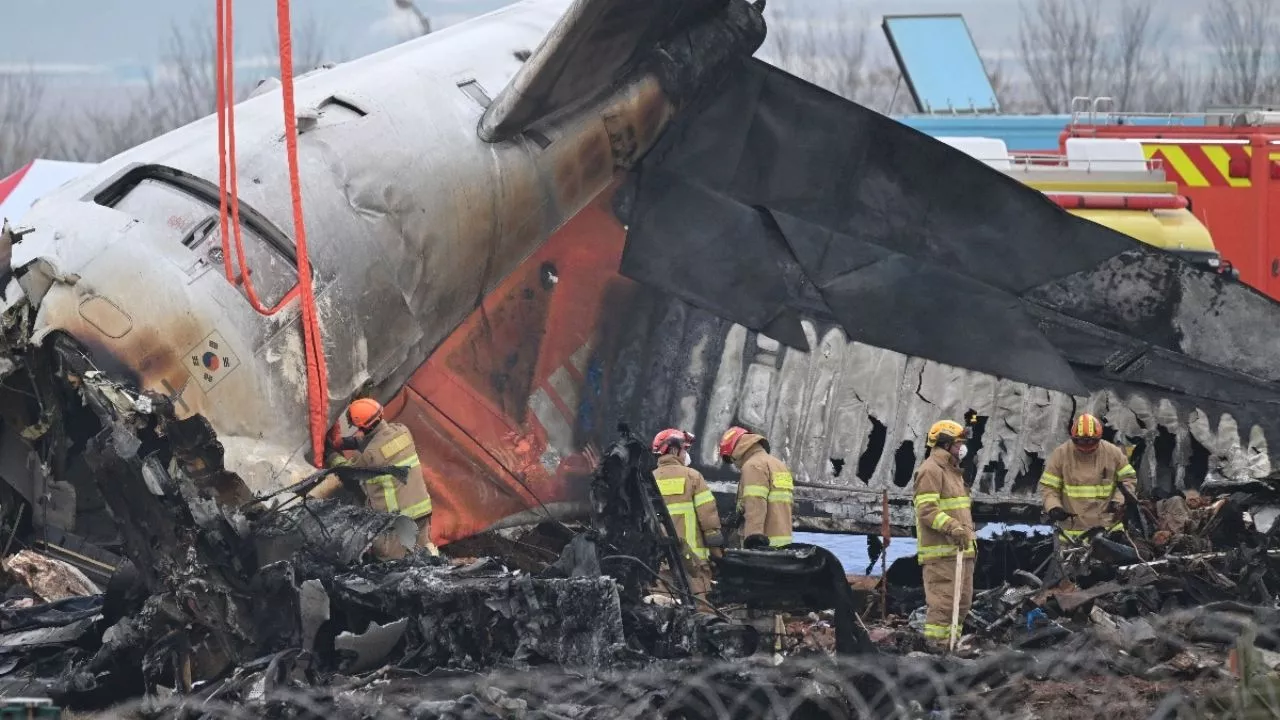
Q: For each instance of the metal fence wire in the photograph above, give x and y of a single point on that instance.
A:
(1086, 677)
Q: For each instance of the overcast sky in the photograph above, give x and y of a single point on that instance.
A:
(112, 36)
(81, 34)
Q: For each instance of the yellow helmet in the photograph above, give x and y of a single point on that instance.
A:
(947, 430)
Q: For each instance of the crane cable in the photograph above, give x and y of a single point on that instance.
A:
(229, 212)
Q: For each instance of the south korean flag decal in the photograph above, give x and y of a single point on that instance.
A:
(211, 361)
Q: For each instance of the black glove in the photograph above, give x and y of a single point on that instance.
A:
(1058, 514)
(756, 542)
(734, 521)
(713, 539)
(1115, 507)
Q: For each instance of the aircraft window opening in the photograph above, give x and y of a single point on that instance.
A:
(179, 204)
(343, 104)
(472, 89)
(200, 232)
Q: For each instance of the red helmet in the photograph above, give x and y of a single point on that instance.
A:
(1086, 427)
(729, 441)
(669, 437)
(364, 413)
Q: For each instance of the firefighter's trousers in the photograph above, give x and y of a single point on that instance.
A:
(939, 594)
(700, 576)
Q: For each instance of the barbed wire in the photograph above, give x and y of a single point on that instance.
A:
(1084, 677)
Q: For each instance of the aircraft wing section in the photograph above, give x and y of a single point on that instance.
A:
(587, 50)
(775, 191)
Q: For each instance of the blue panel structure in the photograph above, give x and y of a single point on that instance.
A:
(940, 63)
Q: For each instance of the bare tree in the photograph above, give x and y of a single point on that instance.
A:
(310, 50)
(882, 89)
(1063, 50)
(181, 91)
(1175, 86)
(21, 105)
(844, 46)
(1135, 36)
(832, 50)
(796, 44)
(1011, 93)
(1241, 34)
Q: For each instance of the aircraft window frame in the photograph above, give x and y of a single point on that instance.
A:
(270, 256)
(202, 191)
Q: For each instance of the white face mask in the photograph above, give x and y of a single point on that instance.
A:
(962, 452)
(684, 458)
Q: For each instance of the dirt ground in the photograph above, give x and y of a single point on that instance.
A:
(1110, 697)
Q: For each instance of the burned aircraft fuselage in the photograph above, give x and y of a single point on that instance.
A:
(413, 218)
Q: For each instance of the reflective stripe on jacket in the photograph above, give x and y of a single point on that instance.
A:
(1083, 484)
(391, 444)
(941, 499)
(764, 492)
(690, 502)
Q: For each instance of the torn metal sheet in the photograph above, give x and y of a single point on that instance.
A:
(23, 640)
(469, 621)
(55, 614)
(315, 610)
(369, 649)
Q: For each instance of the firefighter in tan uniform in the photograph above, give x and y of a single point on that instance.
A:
(1080, 486)
(944, 527)
(764, 490)
(691, 505)
(382, 444)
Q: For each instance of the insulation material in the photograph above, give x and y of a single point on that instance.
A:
(50, 579)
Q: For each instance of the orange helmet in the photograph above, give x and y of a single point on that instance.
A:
(729, 441)
(1086, 431)
(1086, 427)
(364, 413)
(669, 437)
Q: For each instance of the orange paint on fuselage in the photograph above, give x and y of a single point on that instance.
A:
(488, 452)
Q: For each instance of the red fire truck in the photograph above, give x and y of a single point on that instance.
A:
(1228, 168)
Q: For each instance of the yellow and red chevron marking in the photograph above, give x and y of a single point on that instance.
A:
(1202, 165)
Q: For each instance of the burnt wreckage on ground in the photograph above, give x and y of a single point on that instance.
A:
(290, 592)
(306, 624)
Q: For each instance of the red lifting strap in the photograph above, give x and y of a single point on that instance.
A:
(229, 212)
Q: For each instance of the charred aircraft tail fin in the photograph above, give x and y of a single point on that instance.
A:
(588, 50)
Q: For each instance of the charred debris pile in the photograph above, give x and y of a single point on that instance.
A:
(229, 599)
(234, 606)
